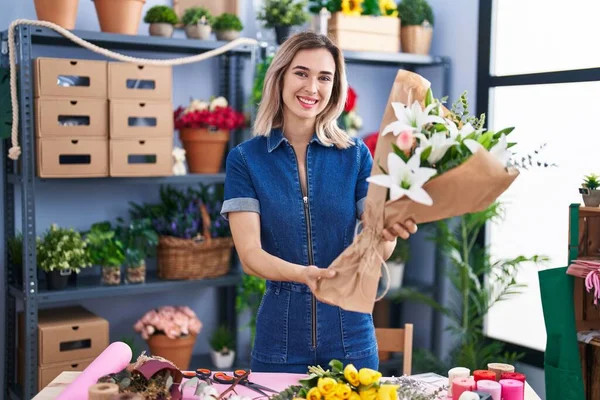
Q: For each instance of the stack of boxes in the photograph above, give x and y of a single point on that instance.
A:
(69, 339)
(98, 119)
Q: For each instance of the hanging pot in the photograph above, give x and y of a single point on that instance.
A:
(60, 12)
(57, 279)
(119, 16)
(282, 33)
(204, 149)
(178, 351)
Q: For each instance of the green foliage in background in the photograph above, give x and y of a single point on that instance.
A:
(161, 14)
(415, 12)
(193, 15)
(226, 22)
(283, 13)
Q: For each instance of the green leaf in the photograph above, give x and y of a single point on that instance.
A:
(399, 152)
(509, 145)
(336, 365)
(486, 140)
(5, 104)
(428, 97)
(505, 131)
(425, 154)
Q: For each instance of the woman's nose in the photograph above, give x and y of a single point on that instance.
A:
(312, 86)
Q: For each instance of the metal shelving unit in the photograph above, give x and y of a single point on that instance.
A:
(22, 285)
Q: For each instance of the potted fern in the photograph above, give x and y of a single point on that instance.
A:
(416, 32)
(162, 20)
(227, 27)
(223, 348)
(283, 15)
(198, 22)
(589, 190)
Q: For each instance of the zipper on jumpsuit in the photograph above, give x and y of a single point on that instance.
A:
(311, 260)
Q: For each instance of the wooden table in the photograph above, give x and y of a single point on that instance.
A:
(275, 381)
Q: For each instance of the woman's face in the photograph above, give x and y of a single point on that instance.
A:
(307, 84)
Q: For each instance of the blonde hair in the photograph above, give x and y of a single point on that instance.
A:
(270, 110)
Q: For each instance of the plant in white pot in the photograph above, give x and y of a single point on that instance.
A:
(227, 27)
(397, 262)
(162, 20)
(223, 348)
(589, 190)
(198, 23)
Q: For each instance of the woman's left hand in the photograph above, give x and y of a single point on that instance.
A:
(403, 230)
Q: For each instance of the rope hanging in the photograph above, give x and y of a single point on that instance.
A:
(15, 151)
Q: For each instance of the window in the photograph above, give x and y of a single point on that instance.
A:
(537, 72)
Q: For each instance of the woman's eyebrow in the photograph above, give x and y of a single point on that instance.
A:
(308, 69)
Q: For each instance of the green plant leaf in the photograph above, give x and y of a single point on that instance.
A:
(5, 104)
(336, 366)
(428, 97)
(505, 131)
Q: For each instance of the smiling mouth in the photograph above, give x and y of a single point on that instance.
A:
(307, 102)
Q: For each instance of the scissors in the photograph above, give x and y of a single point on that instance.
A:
(251, 385)
(205, 374)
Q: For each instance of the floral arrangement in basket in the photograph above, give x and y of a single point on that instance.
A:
(350, 119)
(173, 322)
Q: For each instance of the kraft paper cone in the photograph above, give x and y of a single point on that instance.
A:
(470, 187)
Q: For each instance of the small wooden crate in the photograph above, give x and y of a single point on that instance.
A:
(365, 32)
(590, 368)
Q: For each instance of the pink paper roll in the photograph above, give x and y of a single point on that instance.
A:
(460, 385)
(112, 360)
(512, 389)
(491, 387)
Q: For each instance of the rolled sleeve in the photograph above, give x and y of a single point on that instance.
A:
(240, 194)
(362, 186)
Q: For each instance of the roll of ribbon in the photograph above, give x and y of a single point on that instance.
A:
(103, 391)
(513, 375)
(483, 395)
(512, 389)
(112, 360)
(468, 395)
(500, 368)
(461, 385)
(484, 374)
(457, 372)
(492, 387)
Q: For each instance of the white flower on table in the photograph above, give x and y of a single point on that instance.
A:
(405, 179)
(499, 150)
(411, 118)
(439, 143)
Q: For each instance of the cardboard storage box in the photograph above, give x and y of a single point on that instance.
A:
(141, 157)
(76, 117)
(70, 77)
(141, 119)
(47, 373)
(139, 82)
(72, 157)
(365, 33)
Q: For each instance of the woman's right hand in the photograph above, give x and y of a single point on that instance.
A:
(312, 274)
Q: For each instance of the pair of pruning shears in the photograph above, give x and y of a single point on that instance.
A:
(205, 374)
(242, 375)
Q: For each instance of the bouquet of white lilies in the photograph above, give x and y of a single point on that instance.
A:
(430, 164)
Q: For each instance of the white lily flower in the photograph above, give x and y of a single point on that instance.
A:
(411, 118)
(466, 129)
(405, 179)
(439, 142)
(499, 150)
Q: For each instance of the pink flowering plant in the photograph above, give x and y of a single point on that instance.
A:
(174, 322)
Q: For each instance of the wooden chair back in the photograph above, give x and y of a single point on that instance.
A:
(397, 340)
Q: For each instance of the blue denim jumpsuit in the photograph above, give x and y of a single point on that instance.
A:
(293, 329)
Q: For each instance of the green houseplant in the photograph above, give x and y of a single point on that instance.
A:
(222, 343)
(227, 27)
(589, 190)
(140, 241)
(162, 20)
(283, 15)
(416, 18)
(197, 23)
(60, 252)
(106, 250)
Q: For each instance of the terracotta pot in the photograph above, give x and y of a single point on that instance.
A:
(178, 351)
(227, 35)
(204, 149)
(416, 39)
(198, 31)
(119, 16)
(60, 12)
(161, 29)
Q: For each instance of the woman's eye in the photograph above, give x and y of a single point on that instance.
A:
(303, 74)
(326, 78)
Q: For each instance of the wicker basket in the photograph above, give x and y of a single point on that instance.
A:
(200, 258)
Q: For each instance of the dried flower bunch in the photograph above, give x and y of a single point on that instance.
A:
(174, 322)
(216, 114)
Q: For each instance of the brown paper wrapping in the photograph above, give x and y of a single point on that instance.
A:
(470, 187)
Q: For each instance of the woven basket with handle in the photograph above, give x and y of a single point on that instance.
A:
(197, 258)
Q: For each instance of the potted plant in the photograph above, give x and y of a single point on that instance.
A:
(162, 20)
(416, 32)
(107, 251)
(170, 333)
(60, 252)
(197, 22)
(204, 130)
(589, 190)
(397, 262)
(282, 15)
(227, 27)
(222, 343)
(139, 241)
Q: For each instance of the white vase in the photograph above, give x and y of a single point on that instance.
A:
(396, 274)
(222, 361)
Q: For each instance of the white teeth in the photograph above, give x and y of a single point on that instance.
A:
(310, 102)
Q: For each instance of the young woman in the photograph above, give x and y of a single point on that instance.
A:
(293, 195)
